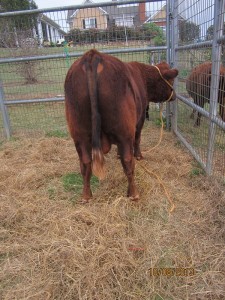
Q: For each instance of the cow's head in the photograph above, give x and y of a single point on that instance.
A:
(165, 90)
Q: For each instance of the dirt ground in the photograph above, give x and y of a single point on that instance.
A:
(54, 247)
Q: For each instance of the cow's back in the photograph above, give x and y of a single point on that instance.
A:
(115, 97)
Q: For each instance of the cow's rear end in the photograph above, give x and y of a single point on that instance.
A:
(100, 111)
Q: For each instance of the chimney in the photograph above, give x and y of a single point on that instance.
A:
(141, 12)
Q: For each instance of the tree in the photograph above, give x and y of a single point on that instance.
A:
(153, 32)
(18, 31)
(14, 28)
(209, 36)
(13, 5)
(188, 31)
(209, 32)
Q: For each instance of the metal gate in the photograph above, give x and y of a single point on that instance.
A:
(38, 47)
(205, 141)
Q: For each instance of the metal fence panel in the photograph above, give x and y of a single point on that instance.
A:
(200, 89)
(39, 46)
(4, 117)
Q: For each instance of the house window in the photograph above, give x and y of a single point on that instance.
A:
(163, 28)
(124, 21)
(89, 23)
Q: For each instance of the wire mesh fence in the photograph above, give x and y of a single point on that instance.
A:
(39, 46)
(199, 56)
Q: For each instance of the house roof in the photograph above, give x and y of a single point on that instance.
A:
(72, 13)
(46, 19)
(112, 11)
(117, 11)
(156, 16)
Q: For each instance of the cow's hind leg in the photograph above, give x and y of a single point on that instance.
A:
(147, 113)
(192, 115)
(199, 102)
(137, 150)
(222, 110)
(84, 152)
(198, 120)
(127, 160)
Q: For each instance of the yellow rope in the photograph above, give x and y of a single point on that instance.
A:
(161, 111)
(161, 131)
(163, 78)
(151, 149)
(162, 184)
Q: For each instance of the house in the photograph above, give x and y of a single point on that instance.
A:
(88, 18)
(44, 30)
(103, 17)
(159, 18)
(48, 31)
(130, 15)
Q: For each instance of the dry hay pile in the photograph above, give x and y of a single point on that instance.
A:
(53, 247)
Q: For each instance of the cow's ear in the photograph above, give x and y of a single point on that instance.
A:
(170, 74)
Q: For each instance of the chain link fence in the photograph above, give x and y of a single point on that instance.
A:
(39, 46)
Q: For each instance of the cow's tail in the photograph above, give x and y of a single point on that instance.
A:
(98, 161)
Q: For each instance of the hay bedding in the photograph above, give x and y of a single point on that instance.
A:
(55, 248)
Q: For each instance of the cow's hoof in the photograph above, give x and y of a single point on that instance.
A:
(139, 157)
(84, 201)
(134, 198)
(138, 154)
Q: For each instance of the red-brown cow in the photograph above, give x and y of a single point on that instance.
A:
(198, 87)
(106, 101)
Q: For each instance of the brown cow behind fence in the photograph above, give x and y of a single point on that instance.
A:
(198, 87)
(106, 101)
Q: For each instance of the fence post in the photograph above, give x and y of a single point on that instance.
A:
(168, 55)
(215, 76)
(5, 115)
(174, 44)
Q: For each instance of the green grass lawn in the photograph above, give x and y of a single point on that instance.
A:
(39, 119)
(50, 75)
